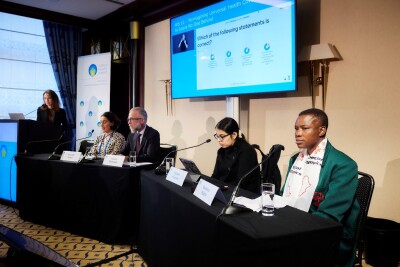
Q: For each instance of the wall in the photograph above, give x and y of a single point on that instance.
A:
(361, 100)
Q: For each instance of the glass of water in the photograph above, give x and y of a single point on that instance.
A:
(169, 162)
(267, 199)
(132, 158)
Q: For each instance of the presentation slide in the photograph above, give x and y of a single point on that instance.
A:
(234, 47)
(8, 170)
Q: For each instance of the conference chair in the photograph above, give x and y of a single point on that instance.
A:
(84, 145)
(167, 149)
(270, 172)
(364, 192)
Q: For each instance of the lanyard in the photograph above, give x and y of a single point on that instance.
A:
(102, 141)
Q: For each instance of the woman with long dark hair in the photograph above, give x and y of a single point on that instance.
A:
(50, 111)
(236, 157)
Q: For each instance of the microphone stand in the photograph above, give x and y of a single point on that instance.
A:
(38, 141)
(159, 169)
(230, 208)
(55, 156)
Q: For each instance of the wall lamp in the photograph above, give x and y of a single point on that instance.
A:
(322, 54)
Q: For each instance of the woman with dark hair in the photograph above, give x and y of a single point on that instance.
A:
(50, 111)
(110, 142)
(236, 157)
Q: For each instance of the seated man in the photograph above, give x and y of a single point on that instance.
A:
(143, 139)
(323, 180)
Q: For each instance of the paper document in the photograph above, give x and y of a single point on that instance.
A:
(137, 164)
(255, 204)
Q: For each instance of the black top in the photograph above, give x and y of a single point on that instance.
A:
(148, 147)
(234, 162)
(60, 117)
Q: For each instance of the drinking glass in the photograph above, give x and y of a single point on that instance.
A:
(267, 199)
(132, 158)
(169, 162)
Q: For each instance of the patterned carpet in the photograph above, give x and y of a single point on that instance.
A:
(81, 251)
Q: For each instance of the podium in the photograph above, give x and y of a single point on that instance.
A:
(37, 137)
(23, 137)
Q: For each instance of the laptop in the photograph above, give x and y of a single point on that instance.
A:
(16, 116)
(192, 168)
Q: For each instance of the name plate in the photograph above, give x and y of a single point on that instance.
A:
(177, 176)
(71, 156)
(114, 160)
(206, 192)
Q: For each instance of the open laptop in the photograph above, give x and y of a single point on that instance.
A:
(192, 168)
(16, 116)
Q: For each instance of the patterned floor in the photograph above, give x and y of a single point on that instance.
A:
(81, 251)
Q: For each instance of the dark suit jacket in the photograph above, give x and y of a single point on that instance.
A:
(234, 162)
(60, 118)
(148, 148)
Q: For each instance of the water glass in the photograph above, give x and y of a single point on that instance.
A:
(169, 162)
(132, 158)
(267, 199)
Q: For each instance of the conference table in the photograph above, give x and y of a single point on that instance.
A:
(178, 229)
(88, 199)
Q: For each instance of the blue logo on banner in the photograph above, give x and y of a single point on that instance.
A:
(100, 103)
(90, 133)
(90, 114)
(82, 103)
(81, 124)
(3, 151)
(92, 70)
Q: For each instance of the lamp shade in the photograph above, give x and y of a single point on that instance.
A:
(319, 52)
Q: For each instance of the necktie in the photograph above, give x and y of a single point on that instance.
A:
(138, 143)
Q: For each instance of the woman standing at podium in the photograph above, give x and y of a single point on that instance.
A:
(50, 111)
(110, 142)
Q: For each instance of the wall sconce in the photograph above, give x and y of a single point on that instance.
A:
(323, 54)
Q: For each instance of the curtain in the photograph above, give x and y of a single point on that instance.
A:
(65, 46)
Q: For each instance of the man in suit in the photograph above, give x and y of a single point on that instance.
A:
(143, 139)
(322, 180)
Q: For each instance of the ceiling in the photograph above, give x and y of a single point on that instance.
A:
(87, 9)
(89, 12)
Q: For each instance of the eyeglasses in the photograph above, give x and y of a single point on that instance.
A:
(220, 137)
(133, 119)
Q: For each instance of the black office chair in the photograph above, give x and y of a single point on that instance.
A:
(364, 192)
(166, 149)
(269, 169)
(84, 145)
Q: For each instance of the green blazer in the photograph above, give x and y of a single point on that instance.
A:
(335, 198)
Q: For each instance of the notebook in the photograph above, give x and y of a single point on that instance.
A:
(191, 167)
(16, 116)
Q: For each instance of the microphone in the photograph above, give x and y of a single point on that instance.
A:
(83, 159)
(40, 141)
(55, 156)
(230, 208)
(159, 168)
(30, 112)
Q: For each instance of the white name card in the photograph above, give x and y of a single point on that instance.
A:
(177, 176)
(206, 192)
(114, 160)
(71, 156)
